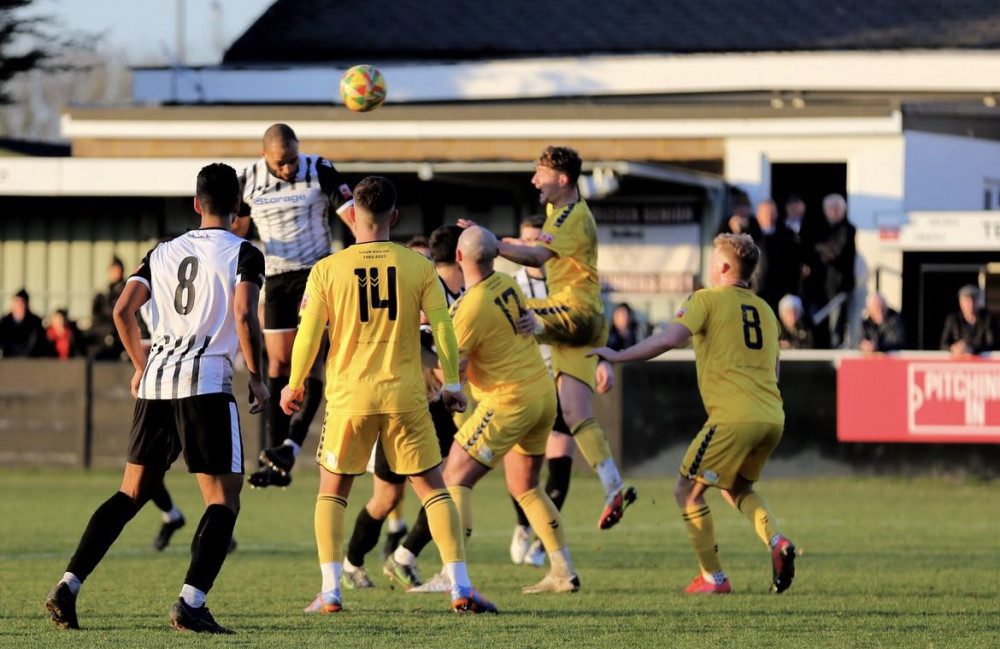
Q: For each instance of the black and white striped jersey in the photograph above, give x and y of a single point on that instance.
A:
(192, 280)
(535, 287)
(292, 217)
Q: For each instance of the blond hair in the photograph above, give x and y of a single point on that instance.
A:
(741, 251)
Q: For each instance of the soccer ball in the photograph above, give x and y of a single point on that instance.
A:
(362, 88)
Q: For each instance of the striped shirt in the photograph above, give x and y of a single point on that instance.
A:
(192, 281)
(292, 217)
(534, 287)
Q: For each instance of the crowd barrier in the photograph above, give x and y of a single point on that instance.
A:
(910, 413)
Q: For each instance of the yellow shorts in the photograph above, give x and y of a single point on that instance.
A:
(571, 331)
(499, 425)
(408, 439)
(720, 452)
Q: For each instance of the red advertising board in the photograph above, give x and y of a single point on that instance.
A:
(882, 399)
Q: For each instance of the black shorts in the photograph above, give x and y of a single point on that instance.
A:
(282, 297)
(444, 426)
(206, 427)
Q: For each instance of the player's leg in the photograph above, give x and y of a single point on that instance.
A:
(700, 526)
(173, 518)
(281, 308)
(566, 323)
(412, 449)
(153, 446)
(522, 473)
(387, 494)
(559, 455)
(209, 429)
(756, 509)
(283, 456)
(576, 390)
(396, 529)
(345, 446)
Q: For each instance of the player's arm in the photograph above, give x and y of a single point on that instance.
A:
(241, 224)
(249, 279)
(333, 184)
(313, 318)
(675, 335)
(534, 256)
(136, 294)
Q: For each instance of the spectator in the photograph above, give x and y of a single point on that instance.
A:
(836, 256)
(21, 331)
(806, 232)
(795, 332)
(103, 333)
(971, 330)
(741, 221)
(780, 268)
(882, 330)
(63, 336)
(624, 328)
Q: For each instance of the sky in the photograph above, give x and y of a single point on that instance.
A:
(145, 29)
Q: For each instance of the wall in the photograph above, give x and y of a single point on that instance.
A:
(948, 173)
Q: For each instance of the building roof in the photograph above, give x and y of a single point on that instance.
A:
(396, 30)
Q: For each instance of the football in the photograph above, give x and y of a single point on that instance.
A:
(362, 88)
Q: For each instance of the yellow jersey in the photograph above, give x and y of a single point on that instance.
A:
(501, 361)
(371, 294)
(571, 233)
(736, 354)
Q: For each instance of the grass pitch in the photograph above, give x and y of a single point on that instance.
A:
(887, 562)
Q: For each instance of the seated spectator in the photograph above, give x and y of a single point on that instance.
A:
(882, 329)
(103, 334)
(21, 331)
(795, 332)
(624, 328)
(63, 336)
(970, 330)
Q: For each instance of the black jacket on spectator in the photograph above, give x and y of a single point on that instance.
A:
(800, 337)
(981, 336)
(779, 271)
(837, 254)
(890, 336)
(25, 338)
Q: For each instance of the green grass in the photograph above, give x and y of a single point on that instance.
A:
(888, 563)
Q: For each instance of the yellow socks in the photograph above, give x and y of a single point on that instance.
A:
(544, 518)
(329, 524)
(757, 511)
(446, 527)
(592, 442)
(701, 530)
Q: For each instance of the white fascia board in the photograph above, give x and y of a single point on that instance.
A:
(491, 129)
(865, 71)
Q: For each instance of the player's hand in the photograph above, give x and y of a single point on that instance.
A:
(605, 377)
(259, 394)
(526, 324)
(136, 377)
(466, 223)
(454, 401)
(605, 353)
(515, 241)
(291, 400)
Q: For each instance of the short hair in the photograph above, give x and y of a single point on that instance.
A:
(218, 189)
(536, 221)
(742, 250)
(375, 194)
(969, 290)
(794, 198)
(419, 241)
(444, 242)
(279, 133)
(564, 160)
(115, 261)
(740, 198)
(790, 302)
(834, 199)
(23, 294)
